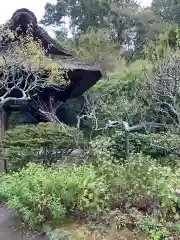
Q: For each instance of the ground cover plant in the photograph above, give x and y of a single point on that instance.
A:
(104, 190)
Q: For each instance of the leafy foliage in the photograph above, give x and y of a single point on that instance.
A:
(168, 10)
(25, 67)
(157, 229)
(44, 142)
(41, 194)
(126, 22)
(118, 96)
(95, 47)
(141, 182)
(26, 54)
(166, 42)
(81, 13)
(163, 85)
(154, 145)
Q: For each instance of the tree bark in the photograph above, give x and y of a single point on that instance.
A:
(3, 128)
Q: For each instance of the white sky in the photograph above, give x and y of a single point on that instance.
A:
(37, 6)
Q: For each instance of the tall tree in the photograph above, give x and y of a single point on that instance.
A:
(135, 28)
(148, 27)
(96, 47)
(83, 13)
(169, 10)
(127, 24)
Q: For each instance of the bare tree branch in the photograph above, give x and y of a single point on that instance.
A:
(24, 68)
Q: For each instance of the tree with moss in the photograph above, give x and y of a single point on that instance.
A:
(23, 68)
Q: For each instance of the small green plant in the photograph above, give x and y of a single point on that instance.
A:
(153, 229)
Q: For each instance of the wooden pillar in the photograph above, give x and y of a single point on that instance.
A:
(3, 128)
(127, 144)
(126, 132)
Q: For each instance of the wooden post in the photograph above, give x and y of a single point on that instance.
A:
(3, 128)
(127, 144)
(126, 132)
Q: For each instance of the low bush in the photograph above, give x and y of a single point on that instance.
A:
(40, 194)
(154, 145)
(139, 181)
(143, 183)
(44, 142)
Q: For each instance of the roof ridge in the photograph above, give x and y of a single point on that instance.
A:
(20, 21)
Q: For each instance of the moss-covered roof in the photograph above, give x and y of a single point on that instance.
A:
(25, 18)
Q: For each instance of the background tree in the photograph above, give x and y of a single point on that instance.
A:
(140, 27)
(95, 47)
(168, 10)
(126, 22)
(82, 13)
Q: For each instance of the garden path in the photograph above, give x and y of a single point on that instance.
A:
(12, 229)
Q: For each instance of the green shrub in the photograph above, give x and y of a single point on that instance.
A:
(154, 145)
(129, 80)
(41, 194)
(154, 229)
(141, 181)
(121, 95)
(44, 142)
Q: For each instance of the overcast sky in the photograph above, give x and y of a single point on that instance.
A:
(37, 6)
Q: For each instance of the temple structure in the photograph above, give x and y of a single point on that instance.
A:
(81, 75)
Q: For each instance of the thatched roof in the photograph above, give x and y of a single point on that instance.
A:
(81, 74)
(25, 18)
(74, 64)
